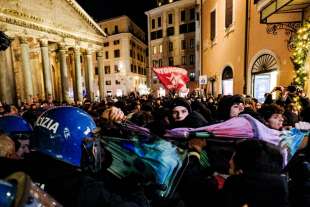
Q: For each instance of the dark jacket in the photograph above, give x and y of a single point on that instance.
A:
(299, 185)
(198, 187)
(255, 190)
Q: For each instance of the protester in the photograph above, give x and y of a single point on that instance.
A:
(291, 115)
(272, 115)
(299, 168)
(123, 117)
(230, 106)
(256, 178)
(183, 116)
(202, 109)
(198, 186)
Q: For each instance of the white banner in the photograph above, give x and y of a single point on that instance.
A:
(203, 79)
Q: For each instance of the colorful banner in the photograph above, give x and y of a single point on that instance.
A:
(173, 78)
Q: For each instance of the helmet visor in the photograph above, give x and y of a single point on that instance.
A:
(7, 193)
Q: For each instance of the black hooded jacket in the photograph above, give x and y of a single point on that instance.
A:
(255, 190)
(193, 120)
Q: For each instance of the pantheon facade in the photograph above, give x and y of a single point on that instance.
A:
(55, 52)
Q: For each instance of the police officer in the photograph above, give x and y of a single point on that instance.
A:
(67, 162)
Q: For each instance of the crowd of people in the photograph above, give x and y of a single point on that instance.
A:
(254, 174)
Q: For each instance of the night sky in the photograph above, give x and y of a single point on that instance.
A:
(105, 9)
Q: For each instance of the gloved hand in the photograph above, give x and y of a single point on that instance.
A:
(304, 126)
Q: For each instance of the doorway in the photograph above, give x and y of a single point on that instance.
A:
(227, 81)
(263, 83)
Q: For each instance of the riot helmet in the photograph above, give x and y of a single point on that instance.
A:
(67, 134)
(19, 130)
(13, 125)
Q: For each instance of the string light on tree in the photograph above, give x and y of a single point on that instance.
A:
(300, 53)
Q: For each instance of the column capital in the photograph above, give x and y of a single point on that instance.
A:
(77, 49)
(23, 40)
(43, 42)
(99, 53)
(89, 51)
(77, 43)
(62, 46)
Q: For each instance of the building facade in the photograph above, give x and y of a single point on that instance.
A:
(290, 15)
(241, 53)
(54, 49)
(125, 62)
(174, 38)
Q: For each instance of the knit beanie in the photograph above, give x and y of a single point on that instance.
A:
(181, 102)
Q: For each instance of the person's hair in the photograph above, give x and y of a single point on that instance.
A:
(257, 156)
(267, 110)
(291, 89)
(268, 98)
(291, 107)
(147, 106)
(7, 146)
(225, 103)
(249, 101)
(7, 108)
(141, 118)
(305, 114)
(203, 110)
(161, 113)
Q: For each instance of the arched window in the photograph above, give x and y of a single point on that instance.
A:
(264, 63)
(264, 75)
(227, 73)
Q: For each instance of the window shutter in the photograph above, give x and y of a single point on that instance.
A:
(213, 22)
(228, 13)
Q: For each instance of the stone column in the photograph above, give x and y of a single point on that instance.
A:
(78, 74)
(176, 21)
(26, 68)
(46, 68)
(7, 89)
(100, 73)
(10, 77)
(90, 78)
(3, 83)
(64, 72)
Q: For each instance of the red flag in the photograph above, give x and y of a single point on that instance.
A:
(173, 78)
